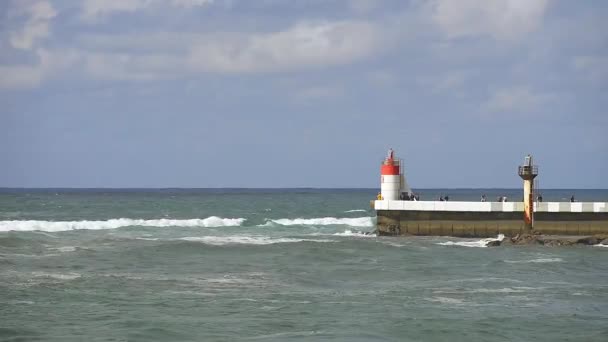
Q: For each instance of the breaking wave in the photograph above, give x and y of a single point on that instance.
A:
(246, 240)
(356, 211)
(600, 245)
(534, 261)
(479, 243)
(349, 232)
(326, 221)
(59, 226)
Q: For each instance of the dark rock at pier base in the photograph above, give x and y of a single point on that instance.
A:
(536, 238)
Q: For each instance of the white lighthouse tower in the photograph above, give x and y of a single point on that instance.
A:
(392, 181)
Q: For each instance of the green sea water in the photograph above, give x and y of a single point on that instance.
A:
(278, 265)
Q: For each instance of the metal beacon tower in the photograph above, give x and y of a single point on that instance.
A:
(528, 172)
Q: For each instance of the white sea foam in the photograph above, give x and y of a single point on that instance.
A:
(349, 232)
(58, 276)
(64, 249)
(59, 226)
(326, 221)
(535, 261)
(356, 211)
(600, 245)
(446, 300)
(479, 243)
(485, 290)
(246, 240)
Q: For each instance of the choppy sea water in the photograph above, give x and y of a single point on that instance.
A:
(278, 265)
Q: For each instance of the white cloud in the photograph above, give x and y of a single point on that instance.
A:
(96, 9)
(22, 76)
(500, 19)
(191, 3)
(123, 66)
(515, 99)
(93, 9)
(36, 27)
(170, 55)
(144, 57)
(303, 45)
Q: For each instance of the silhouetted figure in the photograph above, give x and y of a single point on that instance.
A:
(483, 198)
(572, 198)
(446, 198)
(539, 198)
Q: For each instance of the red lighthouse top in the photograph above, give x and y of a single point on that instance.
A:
(390, 166)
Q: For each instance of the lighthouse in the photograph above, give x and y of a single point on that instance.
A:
(528, 172)
(392, 181)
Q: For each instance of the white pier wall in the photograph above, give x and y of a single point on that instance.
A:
(577, 207)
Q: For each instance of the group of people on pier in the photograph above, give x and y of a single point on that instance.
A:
(409, 196)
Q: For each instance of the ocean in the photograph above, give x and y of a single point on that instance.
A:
(278, 265)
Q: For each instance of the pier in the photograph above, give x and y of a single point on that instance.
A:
(487, 219)
(399, 213)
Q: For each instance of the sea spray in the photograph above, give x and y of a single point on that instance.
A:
(478, 243)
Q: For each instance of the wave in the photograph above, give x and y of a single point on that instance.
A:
(535, 261)
(600, 245)
(356, 211)
(349, 232)
(326, 221)
(246, 240)
(517, 289)
(59, 226)
(479, 243)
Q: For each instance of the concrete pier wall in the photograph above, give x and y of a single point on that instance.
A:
(487, 219)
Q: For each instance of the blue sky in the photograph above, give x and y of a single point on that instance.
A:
(269, 93)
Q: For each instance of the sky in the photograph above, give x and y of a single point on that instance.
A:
(302, 93)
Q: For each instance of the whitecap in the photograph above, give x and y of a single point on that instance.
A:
(600, 245)
(539, 260)
(446, 300)
(478, 243)
(356, 211)
(325, 221)
(349, 232)
(64, 249)
(58, 226)
(58, 276)
(247, 240)
(484, 290)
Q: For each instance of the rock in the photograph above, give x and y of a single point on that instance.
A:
(556, 241)
(493, 243)
(602, 239)
(527, 239)
(506, 242)
(588, 240)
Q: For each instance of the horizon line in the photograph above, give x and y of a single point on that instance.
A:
(278, 188)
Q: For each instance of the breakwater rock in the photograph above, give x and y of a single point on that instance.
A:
(536, 238)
